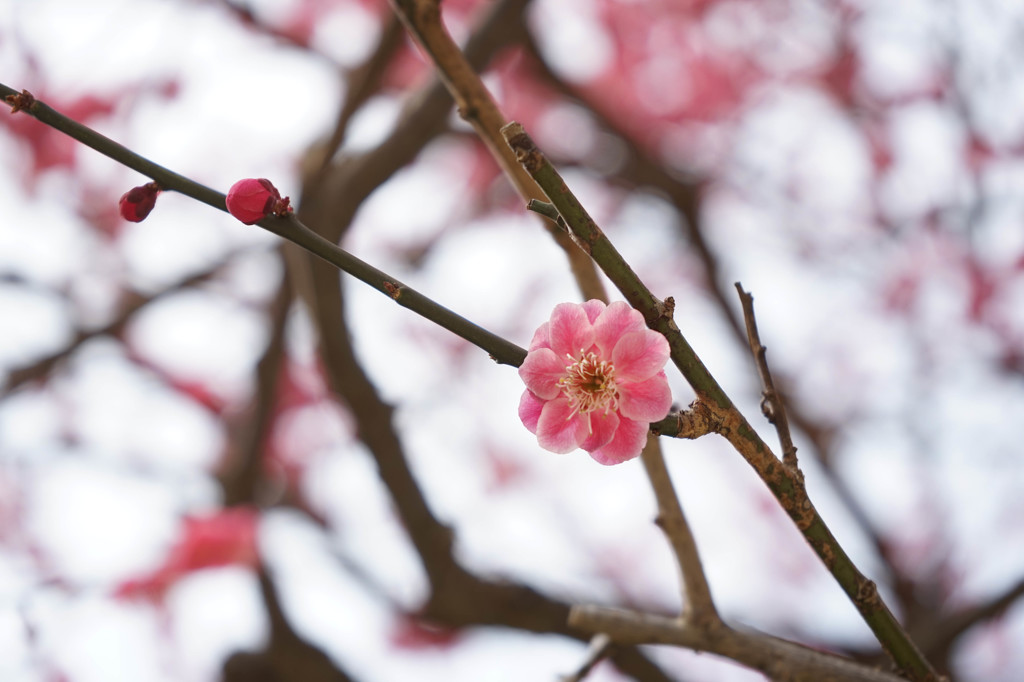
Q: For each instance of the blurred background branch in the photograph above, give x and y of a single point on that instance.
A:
(210, 444)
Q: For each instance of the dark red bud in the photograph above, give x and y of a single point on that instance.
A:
(136, 203)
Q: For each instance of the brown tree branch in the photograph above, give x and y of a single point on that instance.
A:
(242, 474)
(778, 659)
(772, 405)
(361, 83)
(134, 303)
(787, 487)
(286, 656)
(423, 20)
(458, 598)
(698, 606)
(640, 169)
(938, 638)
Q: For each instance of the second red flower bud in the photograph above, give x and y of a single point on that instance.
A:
(136, 203)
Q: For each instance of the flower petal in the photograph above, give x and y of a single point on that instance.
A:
(558, 429)
(646, 401)
(602, 428)
(541, 371)
(639, 355)
(593, 308)
(529, 410)
(540, 338)
(570, 330)
(627, 443)
(617, 319)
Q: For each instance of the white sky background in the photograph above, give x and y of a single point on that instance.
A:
(100, 464)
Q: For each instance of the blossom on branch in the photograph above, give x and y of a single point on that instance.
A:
(594, 380)
(253, 199)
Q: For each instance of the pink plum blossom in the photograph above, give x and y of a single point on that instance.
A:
(594, 380)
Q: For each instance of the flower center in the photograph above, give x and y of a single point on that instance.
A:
(589, 384)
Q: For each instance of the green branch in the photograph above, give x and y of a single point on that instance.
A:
(290, 228)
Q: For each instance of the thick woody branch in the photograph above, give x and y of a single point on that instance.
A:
(778, 659)
(640, 168)
(787, 486)
(242, 473)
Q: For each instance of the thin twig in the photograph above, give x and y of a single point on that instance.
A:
(787, 487)
(948, 630)
(598, 650)
(135, 302)
(772, 405)
(288, 227)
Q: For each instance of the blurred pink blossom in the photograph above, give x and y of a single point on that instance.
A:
(594, 380)
(227, 537)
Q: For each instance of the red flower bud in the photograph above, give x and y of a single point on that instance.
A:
(251, 200)
(136, 203)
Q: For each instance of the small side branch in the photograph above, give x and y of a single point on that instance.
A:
(134, 303)
(698, 606)
(772, 405)
(600, 647)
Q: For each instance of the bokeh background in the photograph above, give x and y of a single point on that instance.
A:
(210, 446)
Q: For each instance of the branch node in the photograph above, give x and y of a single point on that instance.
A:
(668, 308)
(469, 113)
(20, 101)
(547, 210)
(522, 146)
(692, 423)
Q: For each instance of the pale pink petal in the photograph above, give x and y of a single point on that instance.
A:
(627, 443)
(570, 330)
(558, 429)
(602, 427)
(617, 319)
(529, 410)
(541, 371)
(593, 308)
(540, 338)
(646, 401)
(639, 355)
